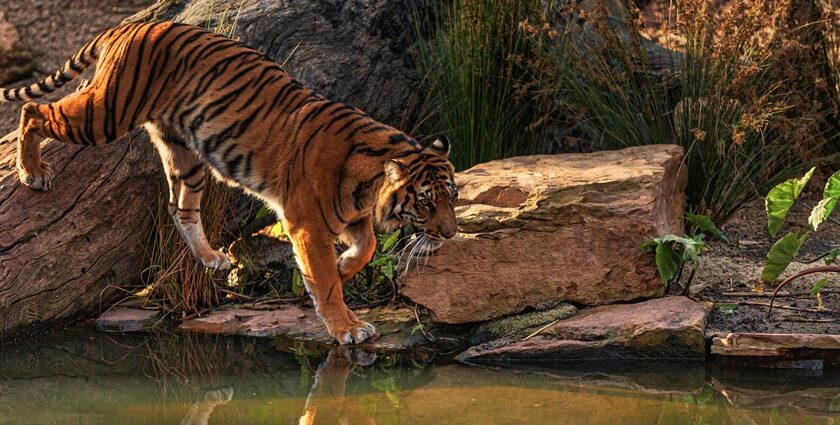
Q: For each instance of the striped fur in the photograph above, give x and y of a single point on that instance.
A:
(209, 102)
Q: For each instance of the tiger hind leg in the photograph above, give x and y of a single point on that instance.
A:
(32, 171)
(79, 118)
(185, 173)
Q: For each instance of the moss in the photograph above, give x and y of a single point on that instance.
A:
(521, 325)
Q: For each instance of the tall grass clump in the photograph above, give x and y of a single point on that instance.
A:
(174, 278)
(476, 70)
(718, 97)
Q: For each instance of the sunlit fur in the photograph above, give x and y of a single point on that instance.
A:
(209, 102)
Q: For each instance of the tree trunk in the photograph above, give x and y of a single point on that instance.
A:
(61, 250)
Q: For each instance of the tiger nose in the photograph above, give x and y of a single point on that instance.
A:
(448, 233)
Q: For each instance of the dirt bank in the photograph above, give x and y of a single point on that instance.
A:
(54, 29)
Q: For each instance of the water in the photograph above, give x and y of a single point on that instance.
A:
(81, 377)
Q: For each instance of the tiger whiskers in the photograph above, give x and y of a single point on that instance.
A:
(418, 253)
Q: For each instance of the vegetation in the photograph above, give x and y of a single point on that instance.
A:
(778, 203)
(743, 91)
(478, 79)
(672, 252)
(726, 107)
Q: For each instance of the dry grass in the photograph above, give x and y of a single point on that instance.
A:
(746, 117)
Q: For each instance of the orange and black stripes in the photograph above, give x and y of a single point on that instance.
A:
(209, 102)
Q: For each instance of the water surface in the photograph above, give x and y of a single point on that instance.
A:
(82, 377)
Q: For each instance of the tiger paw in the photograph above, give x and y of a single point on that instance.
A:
(38, 179)
(356, 333)
(215, 260)
(221, 395)
(358, 356)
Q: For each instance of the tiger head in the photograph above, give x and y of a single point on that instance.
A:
(420, 190)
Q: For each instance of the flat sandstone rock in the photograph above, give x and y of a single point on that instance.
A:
(668, 328)
(538, 230)
(301, 323)
(127, 320)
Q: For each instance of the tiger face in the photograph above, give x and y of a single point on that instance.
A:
(421, 192)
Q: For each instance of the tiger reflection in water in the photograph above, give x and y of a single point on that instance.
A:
(200, 412)
(326, 403)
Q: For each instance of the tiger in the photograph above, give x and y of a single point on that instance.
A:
(327, 402)
(329, 170)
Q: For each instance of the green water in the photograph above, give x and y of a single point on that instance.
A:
(81, 377)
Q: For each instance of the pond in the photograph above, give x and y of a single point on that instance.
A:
(82, 377)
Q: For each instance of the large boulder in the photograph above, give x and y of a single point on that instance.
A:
(669, 328)
(15, 61)
(63, 252)
(351, 51)
(538, 230)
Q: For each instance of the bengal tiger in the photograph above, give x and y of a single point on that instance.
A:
(328, 169)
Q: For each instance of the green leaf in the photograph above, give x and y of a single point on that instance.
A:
(417, 328)
(298, 288)
(667, 261)
(390, 241)
(831, 256)
(705, 224)
(648, 244)
(821, 211)
(818, 285)
(781, 254)
(690, 247)
(389, 387)
(781, 199)
(262, 212)
(831, 194)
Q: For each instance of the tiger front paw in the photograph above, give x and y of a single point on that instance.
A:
(356, 333)
(36, 178)
(215, 260)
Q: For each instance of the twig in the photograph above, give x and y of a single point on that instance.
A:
(235, 294)
(817, 258)
(780, 294)
(540, 330)
(783, 307)
(277, 300)
(429, 337)
(818, 269)
(193, 315)
(811, 320)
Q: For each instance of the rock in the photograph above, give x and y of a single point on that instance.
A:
(774, 345)
(63, 251)
(15, 61)
(664, 329)
(521, 325)
(350, 51)
(301, 323)
(127, 320)
(264, 260)
(538, 230)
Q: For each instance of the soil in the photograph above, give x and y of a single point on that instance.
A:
(735, 266)
(53, 32)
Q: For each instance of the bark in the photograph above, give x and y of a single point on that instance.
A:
(60, 250)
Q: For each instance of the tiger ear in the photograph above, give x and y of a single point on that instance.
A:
(441, 146)
(395, 171)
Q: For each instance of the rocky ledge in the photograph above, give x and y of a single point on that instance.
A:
(666, 329)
